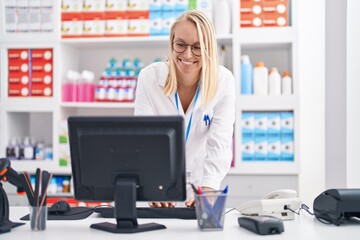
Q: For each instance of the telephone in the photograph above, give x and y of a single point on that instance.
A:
(275, 204)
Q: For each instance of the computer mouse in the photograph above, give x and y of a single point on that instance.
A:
(59, 207)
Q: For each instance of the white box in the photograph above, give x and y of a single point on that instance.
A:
(261, 124)
(274, 123)
(247, 148)
(261, 148)
(247, 123)
(287, 123)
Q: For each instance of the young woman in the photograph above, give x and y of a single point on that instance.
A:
(192, 84)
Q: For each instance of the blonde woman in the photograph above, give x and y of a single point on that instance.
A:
(192, 84)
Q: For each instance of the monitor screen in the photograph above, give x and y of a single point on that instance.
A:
(127, 159)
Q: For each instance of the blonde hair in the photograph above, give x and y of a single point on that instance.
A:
(210, 63)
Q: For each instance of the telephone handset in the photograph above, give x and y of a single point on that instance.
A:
(276, 204)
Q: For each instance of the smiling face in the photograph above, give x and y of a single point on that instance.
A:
(188, 65)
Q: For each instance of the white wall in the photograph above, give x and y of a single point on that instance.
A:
(353, 96)
(311, 19)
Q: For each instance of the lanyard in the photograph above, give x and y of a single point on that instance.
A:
(192, 111)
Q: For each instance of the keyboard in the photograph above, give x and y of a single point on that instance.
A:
(147, 212)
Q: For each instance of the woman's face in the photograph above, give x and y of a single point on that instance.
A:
(186, 62)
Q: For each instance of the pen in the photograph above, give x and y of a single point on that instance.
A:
(194, 188)
(208, 209)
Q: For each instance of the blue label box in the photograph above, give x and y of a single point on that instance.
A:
(247, 148)
(155, 23)
(287, 147)
(261, 148)
(261, 123)
(274, 148)
(274, 123)
(168, 20)
(247, 123)
(169, 5)
(181, 5)
(155, 5)
(287, 123)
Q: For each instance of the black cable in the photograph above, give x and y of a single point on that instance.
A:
(232, 209)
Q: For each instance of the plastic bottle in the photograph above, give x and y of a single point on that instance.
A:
(222, 17)
(260, 79)
(28, 149)
(286, 84)
(222, 55)
(12, 150)
(246, 75)
(274, 82)
(88, 86)
(206, 6)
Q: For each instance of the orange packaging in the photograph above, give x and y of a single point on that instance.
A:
(71, 25)
(19, 90)
(41, 54)
(18, 55)
(17, 77)
(116, 24)
(94, 24)
(41, 78)
(40, 90)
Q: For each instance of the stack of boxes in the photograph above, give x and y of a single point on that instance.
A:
(29, 16)
(30, 72)
(264, 13)
(116, 18)
(267, 136)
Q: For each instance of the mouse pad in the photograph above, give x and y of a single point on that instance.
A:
(76, 213)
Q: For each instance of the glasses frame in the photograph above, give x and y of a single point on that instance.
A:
(186, 47)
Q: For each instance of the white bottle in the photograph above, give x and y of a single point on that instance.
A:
(274, 82)
(222, 17)
(286, 84)
(260, 79)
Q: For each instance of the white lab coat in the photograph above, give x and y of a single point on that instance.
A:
(208, 148)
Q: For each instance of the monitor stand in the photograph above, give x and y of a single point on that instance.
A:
(125, 211)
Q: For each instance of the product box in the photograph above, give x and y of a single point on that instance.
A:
(247, 123)
(287, 123)
(40, 90)
(93, 25)
(169, 5)
(116, 5)
(261, 123)
(10, 20)
(138, 26)
(156, 5)
(93, 6)
(18, 55)
(34, 17)
(116, 24)
(71, 25)
(261, 148)
(41, 78)
(247, 148)
(18, 77)
(71, 6)
(274, 123)
(274, 148)
(155, 23)
(168, 19)
(287, 148)
(181, 5)
(19, 90)
(47, 22)
(138, 5)
(275, 13)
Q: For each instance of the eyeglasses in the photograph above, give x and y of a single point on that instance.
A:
(181, 47)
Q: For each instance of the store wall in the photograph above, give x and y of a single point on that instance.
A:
(342, 97)
(335, 94)
(352, 93)
(312, 98)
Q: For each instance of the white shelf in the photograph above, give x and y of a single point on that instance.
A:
(31, 166)
(18, 38)
(96, 105)
(28, 104)
(267, 103)
(266, 36)
(128, 42)
(265, 167)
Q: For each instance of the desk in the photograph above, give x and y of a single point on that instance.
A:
(304, 227)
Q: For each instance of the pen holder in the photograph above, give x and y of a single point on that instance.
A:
(38, 217)
(210, 208)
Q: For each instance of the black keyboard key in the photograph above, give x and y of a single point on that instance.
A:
(147, 212)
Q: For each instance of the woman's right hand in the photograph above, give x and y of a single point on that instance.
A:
(162, 204)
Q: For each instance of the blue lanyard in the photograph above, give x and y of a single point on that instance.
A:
(192, 111)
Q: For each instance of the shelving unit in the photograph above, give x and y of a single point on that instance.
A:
(277, 46)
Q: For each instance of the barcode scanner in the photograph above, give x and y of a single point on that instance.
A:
(10, 175)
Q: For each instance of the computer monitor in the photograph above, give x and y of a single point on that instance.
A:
(128, 159)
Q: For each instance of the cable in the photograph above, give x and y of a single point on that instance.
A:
(232, 209)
